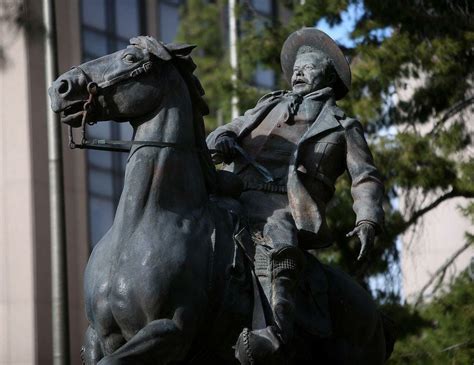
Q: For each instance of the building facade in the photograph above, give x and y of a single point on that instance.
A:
(431, 244)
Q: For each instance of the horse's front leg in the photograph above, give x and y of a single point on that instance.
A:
(159, 342)
(91, 352)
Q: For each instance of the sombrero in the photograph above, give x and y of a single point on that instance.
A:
(319, 40)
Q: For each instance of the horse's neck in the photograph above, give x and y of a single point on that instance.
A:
(172, 122)
(161, 180)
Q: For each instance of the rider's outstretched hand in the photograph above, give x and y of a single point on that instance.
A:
(366, 233)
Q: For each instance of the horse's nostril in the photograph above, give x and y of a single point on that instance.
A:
(63, 87)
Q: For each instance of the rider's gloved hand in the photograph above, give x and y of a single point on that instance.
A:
(366, 233)
(226, 146)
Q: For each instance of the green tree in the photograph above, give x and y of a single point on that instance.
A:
(202, 22)
(444, 331)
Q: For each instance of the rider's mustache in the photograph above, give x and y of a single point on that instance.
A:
(300, 80)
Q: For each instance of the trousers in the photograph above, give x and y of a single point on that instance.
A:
(270, 218)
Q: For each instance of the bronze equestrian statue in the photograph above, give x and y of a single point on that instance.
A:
(305, 142)
(173, 280)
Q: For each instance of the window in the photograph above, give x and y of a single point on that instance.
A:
(264, 7)
(264, 77)
(168, 15)
(107, 26)
(266, 12)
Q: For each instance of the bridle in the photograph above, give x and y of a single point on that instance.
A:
(93, 90)
(125, 146)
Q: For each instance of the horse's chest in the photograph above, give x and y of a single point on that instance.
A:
(119, 285)
(132, 279)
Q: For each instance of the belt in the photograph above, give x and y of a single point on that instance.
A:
(267, 187)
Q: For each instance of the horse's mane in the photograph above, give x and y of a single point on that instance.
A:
(179, 55)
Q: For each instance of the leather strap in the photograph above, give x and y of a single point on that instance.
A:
(258, 314)
(125, 146)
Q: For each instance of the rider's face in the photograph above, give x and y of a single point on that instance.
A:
(311, 72)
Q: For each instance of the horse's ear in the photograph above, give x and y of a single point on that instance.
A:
(180, 50)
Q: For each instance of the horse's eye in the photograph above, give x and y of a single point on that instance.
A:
(130, 58)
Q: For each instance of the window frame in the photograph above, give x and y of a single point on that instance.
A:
(116, 169)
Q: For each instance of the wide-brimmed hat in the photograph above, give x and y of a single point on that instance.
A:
(316, 39)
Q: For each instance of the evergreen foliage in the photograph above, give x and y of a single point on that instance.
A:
(207, 19)
(443, 331)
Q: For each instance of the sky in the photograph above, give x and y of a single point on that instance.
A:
(340, 33)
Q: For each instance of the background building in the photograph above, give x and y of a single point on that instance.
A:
(430, 245)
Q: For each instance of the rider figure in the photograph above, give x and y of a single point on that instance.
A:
(304, 142)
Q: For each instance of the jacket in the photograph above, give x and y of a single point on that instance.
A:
(333, 143)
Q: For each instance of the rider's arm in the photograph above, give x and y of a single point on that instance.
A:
(235, 128)
(367, 188)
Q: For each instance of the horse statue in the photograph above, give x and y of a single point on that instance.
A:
(171, 282)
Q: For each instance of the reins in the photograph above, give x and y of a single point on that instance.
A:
(114, 145)
(125, 146)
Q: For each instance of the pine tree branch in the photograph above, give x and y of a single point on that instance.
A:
(456, 108)
(439, 282)
(453, 193)
(441, 271)
(449, 348)
(456, 346)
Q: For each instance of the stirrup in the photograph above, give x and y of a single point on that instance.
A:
(259, 347)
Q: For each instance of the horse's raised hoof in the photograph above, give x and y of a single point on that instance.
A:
(259, 347)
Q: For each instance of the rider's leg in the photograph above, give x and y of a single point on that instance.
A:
(278, 265)
(287, 264)
(91, 352)
(278, 271)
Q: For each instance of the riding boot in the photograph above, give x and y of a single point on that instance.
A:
(265, 346)
(287, 264)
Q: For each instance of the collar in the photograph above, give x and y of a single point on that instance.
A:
(295, 100)
(324, 93)
(320, 94)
